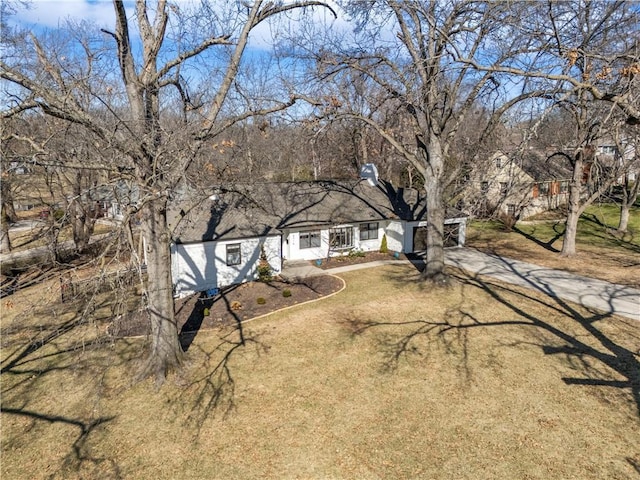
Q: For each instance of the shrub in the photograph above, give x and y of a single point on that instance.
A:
(286, 293)
(58, 214)
(355, 253)
(265, 274)
(236, 305)
(261, 301)
(383, 244)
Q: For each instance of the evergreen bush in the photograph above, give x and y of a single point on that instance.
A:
(383, 245)
(265, 273)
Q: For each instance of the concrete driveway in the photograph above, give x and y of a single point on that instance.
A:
(588, 292)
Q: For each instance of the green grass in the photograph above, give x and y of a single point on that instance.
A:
(601, 251)
(595, 227)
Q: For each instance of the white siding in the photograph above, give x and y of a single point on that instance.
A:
(297, 253)
(292, 251)
(199, 266)
(395, 236)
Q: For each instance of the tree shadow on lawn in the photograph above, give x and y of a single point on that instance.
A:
(546, 245)
(50, 349)
(213, 385)
(191, 327)
(584, 358)
(610, 234)
(80, 458)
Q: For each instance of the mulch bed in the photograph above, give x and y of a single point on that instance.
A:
(345, 260)
(190, 311)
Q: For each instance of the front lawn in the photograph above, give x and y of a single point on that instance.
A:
(384, 380)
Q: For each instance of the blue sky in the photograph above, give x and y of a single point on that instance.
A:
(54, 13)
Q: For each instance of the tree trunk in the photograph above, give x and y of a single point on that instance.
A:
(573, 209)
(82, 217)
(5, 242)
(82, 225)
(7, 202)
(77, 226)
(434, 268)
(629, 197)
(165, 351)
(623, 225)
(570, 231)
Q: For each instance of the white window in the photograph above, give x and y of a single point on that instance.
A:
(544, 189)
(504, 186)
(368, 231)
(341, 237)
(564, 187)
(511, 209)
(234, 257)
(310, 239)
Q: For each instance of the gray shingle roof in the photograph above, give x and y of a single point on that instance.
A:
(250, 210)
(544, 169)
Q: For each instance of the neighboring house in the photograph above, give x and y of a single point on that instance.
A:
(113, 200)
(220, 241)
(520, 188)
(609, 157)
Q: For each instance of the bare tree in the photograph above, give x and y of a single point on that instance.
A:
(594, 44)
(125, 109)
(407, 55)
(587, 53)
(5, 242)
(628, 146)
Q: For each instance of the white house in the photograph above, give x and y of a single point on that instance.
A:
(219, 242)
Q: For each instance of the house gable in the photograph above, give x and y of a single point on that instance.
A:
(520, 185)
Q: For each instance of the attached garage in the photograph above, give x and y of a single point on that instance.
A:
(453, 236)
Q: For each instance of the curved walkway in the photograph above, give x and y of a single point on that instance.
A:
(606, 297)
